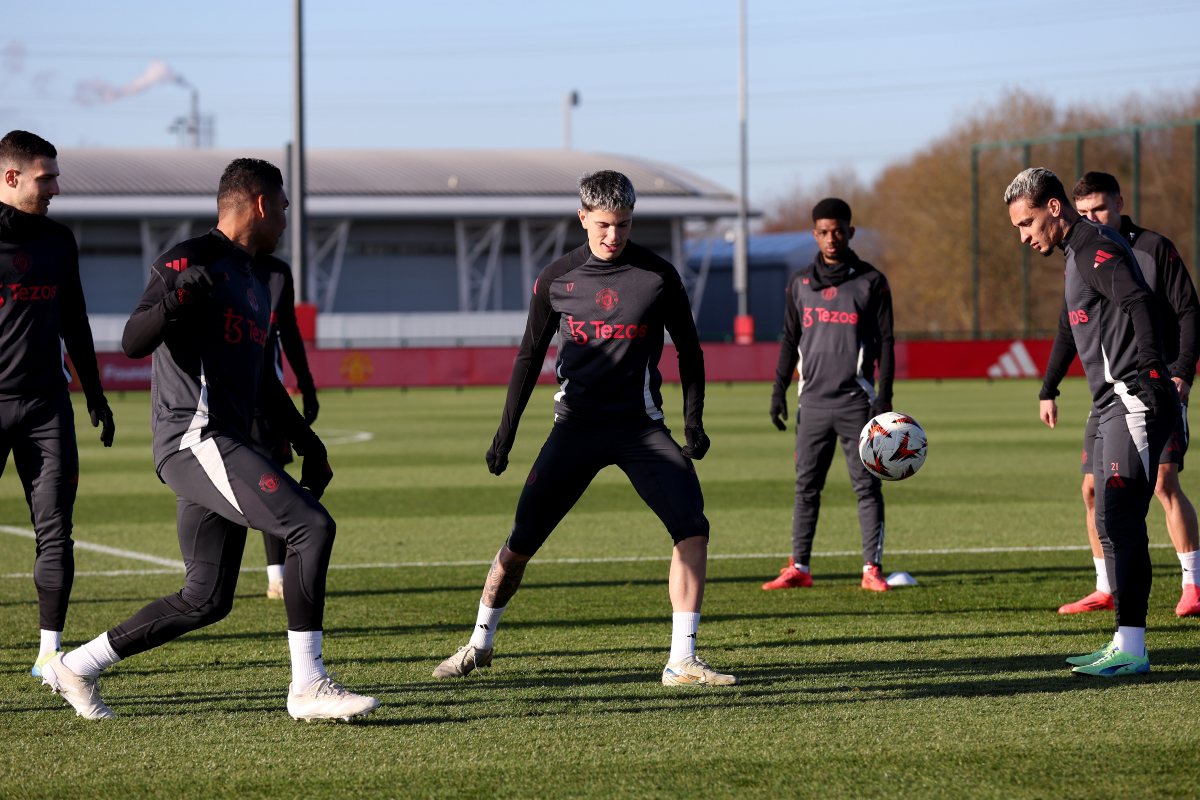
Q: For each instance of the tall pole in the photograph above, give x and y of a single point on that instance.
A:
(1196, 196)
(741, 278)
(975, 242)
(570, 100)
(1137, 175)
(297, 221)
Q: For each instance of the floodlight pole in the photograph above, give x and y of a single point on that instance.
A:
(297, 221)
(570, 100)
(743, 324)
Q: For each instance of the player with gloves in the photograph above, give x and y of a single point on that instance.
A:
(205, 316)
(609, 301)
(1113, 318)
(837, 323)
(42, 309)
(283, 337)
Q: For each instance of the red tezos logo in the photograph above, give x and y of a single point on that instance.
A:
(22, 262)
(829, 293)
(269, 483)
(606, 299)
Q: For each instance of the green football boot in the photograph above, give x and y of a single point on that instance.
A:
(1117, 662)
(41, 661)
(1091, 658)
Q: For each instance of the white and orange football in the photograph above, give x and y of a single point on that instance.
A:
(892, 446)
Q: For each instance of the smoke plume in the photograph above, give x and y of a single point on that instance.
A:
(98, 91)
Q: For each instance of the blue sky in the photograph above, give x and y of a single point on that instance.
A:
(854, 84)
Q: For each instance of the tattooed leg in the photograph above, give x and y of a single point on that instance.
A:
(504, 578)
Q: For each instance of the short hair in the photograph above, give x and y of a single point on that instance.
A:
(1038, 185)
(245, 178)
(1097, 183)
(18, 148)
(606, 190)
(831, 208)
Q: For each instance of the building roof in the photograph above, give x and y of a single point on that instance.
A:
(377, 183)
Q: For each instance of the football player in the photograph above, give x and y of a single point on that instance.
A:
(42, 310)
(837, 324)
(609, 301)
(205, 316)
(1112, 316)
(1098, 197)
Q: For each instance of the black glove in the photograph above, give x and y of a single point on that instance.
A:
(497, 460)
(778, 411)
(697, 443)
(101, 413)
(193, 284)
(315, 472)
(311, 406)
(880, 406)
(1156, 389)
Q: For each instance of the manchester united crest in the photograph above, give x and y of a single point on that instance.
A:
(829, 293)
(607, 299)
(253, 298)
(269, 483)
(22, 262)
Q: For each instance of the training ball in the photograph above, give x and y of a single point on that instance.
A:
(892, 446)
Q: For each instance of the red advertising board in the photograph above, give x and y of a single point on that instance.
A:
(491, 366)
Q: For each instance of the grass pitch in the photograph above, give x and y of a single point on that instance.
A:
(955, 688)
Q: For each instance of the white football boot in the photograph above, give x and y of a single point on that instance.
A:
(82, 693)
(467, 658)
(694, 671)
(328, 699)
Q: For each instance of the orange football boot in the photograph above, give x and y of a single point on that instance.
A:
(1189, 603)
(790, 578)
(873, 579)
(1096, 601)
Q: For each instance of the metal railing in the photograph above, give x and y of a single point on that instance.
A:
(1026, 144)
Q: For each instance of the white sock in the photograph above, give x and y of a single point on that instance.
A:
(1189, 561)
(1131, 640)
(51, 642)
(307, 666)
(91, 659)
(1101, 576)
(801, 567)
(683, 635)
(486, 622)
(274, 572)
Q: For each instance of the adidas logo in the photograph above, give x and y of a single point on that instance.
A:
(1101, 257)
(1014, 363)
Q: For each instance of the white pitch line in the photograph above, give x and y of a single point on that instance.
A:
(614, 560)
(100, 548)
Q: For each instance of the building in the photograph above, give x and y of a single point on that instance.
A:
(406, 247)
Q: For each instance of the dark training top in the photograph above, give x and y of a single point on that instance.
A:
(1179, 309)
(1110, 317)
(283, 337)
(837, 322)
(209, 352)
(609, 317)
(42, 309)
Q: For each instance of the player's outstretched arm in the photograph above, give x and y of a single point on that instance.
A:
(679, 323)
(789, 356)
(77, 336)
(293, 347)
(1061, 355)
(886, 337)
(539, 330)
